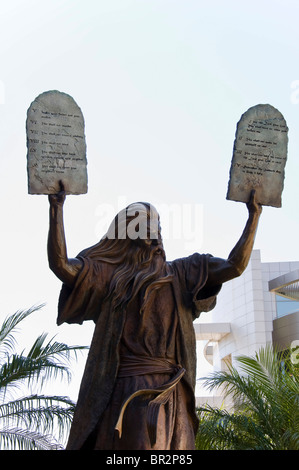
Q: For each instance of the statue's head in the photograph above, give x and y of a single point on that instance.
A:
(138, 222)
(133, 243)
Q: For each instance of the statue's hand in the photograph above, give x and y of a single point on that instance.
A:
(252, 205)
(59, 198)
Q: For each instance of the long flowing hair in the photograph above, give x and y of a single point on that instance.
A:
(140, 264)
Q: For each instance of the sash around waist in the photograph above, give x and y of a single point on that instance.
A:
(141, 365)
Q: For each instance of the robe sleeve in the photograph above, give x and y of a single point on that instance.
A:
(193, 275)
(83, 301)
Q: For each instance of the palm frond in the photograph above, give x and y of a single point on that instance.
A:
(9, 326)
(264, 367)
(42, 363)
(53, 349)
(52, 359)
(266, 405)
(30, 422)
(230, 431)
(232, 384)
(24, 439)
(20, 369)
(41, 412)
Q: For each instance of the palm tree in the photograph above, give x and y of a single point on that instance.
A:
(32, 421)
(265, 394)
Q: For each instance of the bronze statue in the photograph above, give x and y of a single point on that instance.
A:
(137, 391)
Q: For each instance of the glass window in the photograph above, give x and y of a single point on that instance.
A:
(285, 306)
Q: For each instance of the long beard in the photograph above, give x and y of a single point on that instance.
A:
(138, 268)
(144, 271)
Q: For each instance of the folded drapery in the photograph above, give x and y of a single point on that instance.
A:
(143, 365)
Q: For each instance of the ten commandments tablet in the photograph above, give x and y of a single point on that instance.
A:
(56, 147)
(259, 156)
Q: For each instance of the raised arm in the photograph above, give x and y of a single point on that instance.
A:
(65, 269)
(221, 270)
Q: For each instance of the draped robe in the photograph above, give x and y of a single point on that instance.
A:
(164, 331)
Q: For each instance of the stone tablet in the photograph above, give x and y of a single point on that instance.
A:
(259, 156)
(56, 147)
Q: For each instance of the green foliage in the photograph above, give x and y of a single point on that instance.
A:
(31, 421)
(265, 416)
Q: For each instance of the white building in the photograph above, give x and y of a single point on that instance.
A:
(258, 308)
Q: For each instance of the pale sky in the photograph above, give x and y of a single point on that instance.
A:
(162, 85)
